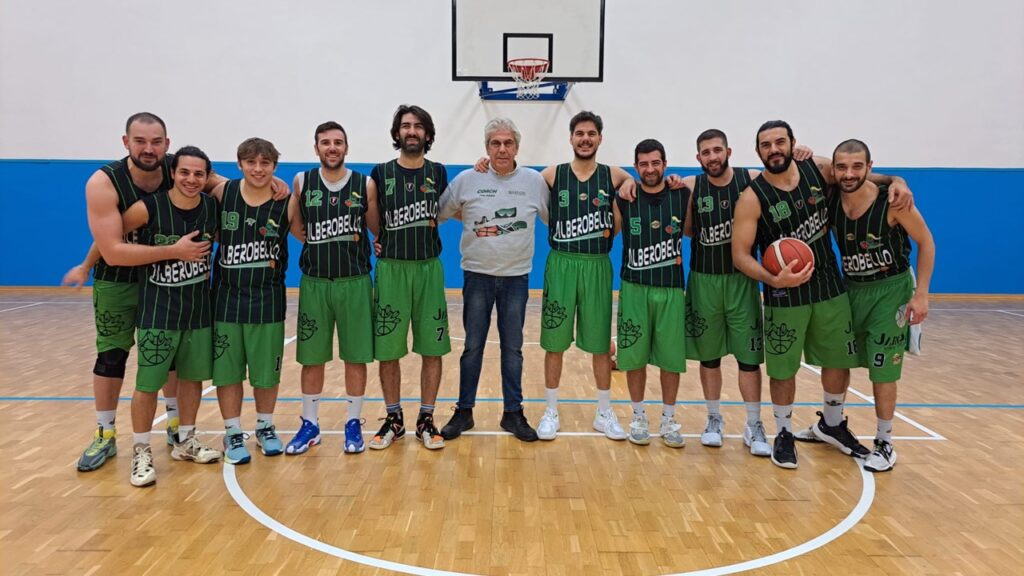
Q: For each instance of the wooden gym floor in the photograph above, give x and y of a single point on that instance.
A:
(489, 504)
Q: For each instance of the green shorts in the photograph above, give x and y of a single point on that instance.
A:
(161, 351)
(410, 291)
(880, 323)
(577, 288)
(822, 331)
(651, 328)
(258, 346)
(344, 304)
(114, 305)
(723, 316)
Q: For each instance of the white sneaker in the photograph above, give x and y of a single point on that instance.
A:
(639, 430)
(712, 435)
(548, 427)
(670, 432)
(607, 422)
(806, 435)
(882, 459)
(143, 472)
(755, 437)
(194, 450)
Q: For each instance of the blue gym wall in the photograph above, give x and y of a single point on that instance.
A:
(973, 214)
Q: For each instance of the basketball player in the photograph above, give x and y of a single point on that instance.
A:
(410, 280)
(499, 211)
(174, 318)
(651, 318)
(249, 297)
(806, 311)
(874, 247)
(335, 206)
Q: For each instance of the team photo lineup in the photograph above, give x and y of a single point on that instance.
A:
(189, 269)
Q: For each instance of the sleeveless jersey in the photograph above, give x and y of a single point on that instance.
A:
(175, 294)
(252, 257)
(712, 214)
(803, 214)
(127, 194)
(409, 200)
(652, 237)
(869, 248)
(580, 213)
(336, 240)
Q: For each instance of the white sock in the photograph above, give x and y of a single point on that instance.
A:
(264, 420)
(310, 407)
(552, 398)
(753, 412)
(833, 409)
(355, 407)
(172, 407)
(638, 408)
(105, 418)
(884, 430)
(604, 400)
(783, 416)
(668, 410)
(141, 438)
(183, 432)
(714, 407)
(233, 422)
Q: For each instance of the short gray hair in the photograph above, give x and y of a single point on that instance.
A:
(498, 124)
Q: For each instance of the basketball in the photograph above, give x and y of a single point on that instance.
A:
(785, 250)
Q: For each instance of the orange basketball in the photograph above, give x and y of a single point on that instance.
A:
(785, 250)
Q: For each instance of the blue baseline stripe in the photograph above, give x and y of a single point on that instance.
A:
(542, 400)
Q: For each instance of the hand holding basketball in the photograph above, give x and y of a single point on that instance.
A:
(790, 261)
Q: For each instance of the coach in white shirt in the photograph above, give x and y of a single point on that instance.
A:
(499, 210)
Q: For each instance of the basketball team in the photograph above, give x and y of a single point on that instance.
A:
(189, 267)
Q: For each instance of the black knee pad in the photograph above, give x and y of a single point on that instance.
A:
(110, 364)
(748, 367)
(712, 364)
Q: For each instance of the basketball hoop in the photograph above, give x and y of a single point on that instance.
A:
(528, 73)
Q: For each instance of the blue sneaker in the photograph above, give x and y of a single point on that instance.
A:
(307, 437)
(235, 451)
(269, 443)
(354, 436)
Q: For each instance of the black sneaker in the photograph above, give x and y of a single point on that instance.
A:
(427, 433)
(515, 422)
(461, 421)
(840, 437)
(393, 429)
(784, 451)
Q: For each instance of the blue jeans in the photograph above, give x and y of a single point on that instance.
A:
(480, 292)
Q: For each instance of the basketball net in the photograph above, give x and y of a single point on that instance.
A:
(528, 74)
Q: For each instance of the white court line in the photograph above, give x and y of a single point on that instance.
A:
(1010, 313)
(859, 511)
(935, 435)
(25, 306)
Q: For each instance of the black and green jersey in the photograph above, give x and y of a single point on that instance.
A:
(652, 237)
(336, 240)
(252, 257)
(408, 200)
(712, 214)
(175, 294)
(127, 194)
(869, 247)
(580, 213)
(801, 213)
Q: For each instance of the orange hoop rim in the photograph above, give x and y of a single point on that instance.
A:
(528, 69)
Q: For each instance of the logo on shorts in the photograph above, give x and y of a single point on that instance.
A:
(155, 348)
(901, 316)
(628, 333)
(220, 345)
(385, 320)
(108, 324)
(897, 358)
(307, 327)
(779, 338)
(554, 314)
(695, 325)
